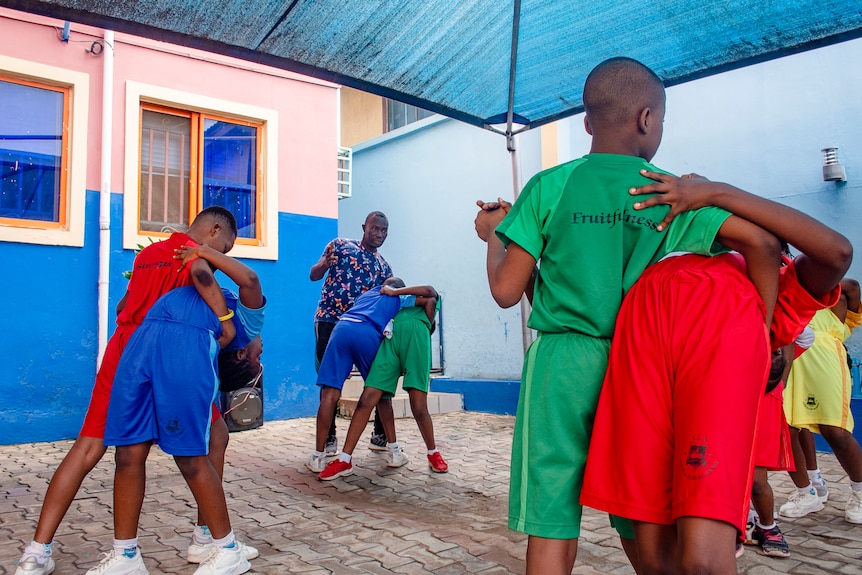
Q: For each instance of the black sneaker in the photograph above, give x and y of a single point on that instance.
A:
(378, 442)
(771, 542)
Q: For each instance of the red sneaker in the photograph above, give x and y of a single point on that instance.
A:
(437, 463)
(336, 469)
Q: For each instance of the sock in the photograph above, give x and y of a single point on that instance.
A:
(815, 477)
(766, 527)
(345, 457)
(228, 541)
(202, 535)
(433, 451)
(40, 551)
(392, 446)
(856, 485)
(806, 490)
(126, 547)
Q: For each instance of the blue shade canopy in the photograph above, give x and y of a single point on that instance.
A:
(455, 57)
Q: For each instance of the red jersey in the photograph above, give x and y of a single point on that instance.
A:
(155, 273)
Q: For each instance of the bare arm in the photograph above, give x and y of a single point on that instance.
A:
(418, 291)
(849, 299)
(250, 292)
(207, 286)
(326, 261)
(510, 271)
(826, 253)
(762, 254)
(429, 304)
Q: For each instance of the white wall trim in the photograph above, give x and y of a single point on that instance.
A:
(137, 92)
(76, 184)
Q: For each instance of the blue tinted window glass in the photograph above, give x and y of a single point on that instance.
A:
(31, 150)
(230, 172)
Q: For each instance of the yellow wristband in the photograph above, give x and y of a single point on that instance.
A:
(226, 316)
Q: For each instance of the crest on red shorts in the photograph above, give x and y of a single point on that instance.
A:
(699, 462)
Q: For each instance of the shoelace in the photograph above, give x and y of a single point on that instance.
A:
(773, 536)
(106, 562)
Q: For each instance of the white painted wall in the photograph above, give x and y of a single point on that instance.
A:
(760, 128)
(426, 179)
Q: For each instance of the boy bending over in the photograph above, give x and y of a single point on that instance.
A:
(355, 341)
(407, 353)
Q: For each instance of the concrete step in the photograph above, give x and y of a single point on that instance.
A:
(437, 402)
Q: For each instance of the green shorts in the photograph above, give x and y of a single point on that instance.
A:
(408, 353)
(560, 387)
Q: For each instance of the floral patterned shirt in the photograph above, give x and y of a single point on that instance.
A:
(356, 271)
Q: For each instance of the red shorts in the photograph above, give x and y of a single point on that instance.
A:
(772, 449)
(674, 430)
(97, 412)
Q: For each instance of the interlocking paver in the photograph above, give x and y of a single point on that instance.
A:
(378, 521)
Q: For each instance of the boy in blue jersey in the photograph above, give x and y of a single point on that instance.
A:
(165, 385)
(355, 341)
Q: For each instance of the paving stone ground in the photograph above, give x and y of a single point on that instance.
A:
(378, 521)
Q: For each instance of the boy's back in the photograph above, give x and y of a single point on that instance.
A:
(578, 219)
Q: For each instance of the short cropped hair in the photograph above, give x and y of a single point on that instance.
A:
(221, 215)
(235, 373)
(394, 282)
(618, 88)
(376, 214)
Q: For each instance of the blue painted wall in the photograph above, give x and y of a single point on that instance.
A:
(50, 334)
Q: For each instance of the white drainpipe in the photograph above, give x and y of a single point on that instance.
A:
(105, 190)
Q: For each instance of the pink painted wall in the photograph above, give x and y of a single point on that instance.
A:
(307, 108)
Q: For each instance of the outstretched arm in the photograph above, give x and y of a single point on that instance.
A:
(762, 254)
(826, 253)
(418, 291)
(250, 292)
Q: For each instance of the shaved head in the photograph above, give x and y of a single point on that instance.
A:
(618, 89)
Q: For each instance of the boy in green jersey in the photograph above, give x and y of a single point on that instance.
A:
(579, 222)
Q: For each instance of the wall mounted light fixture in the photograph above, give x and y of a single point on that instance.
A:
(833, 171)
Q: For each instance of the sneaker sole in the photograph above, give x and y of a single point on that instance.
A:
(774, 552)
(344, 473)
(201, 557)
(438, 470)
(853, 521)
(798, 515)
(402, 464)
(376, 448)
(313, 470)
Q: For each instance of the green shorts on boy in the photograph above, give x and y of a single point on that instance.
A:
(409, 354)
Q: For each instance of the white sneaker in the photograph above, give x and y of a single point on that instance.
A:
(225, 561)
(30, 565)
(396, 458)
(114, 564)
(800, 505)
(853, 510)
(198, 552)
(316, 464)
(822, 491)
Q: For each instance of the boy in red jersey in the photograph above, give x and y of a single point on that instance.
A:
(685, 379)
(155, 272)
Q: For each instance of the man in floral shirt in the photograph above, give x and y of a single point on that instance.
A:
(354, 266)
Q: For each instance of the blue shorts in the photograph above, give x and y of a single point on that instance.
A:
(351, 343)
(164, 388)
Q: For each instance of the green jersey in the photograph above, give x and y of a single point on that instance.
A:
(577, 220)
